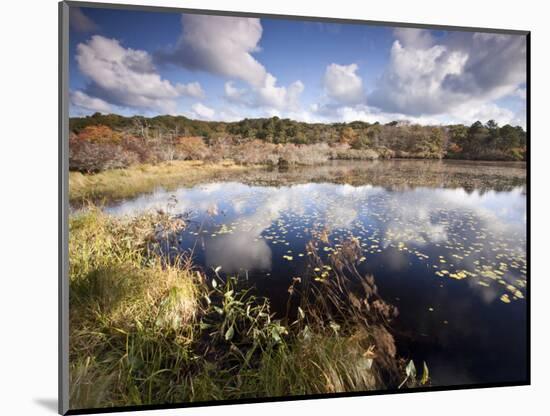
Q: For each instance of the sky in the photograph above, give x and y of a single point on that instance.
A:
(230, 68)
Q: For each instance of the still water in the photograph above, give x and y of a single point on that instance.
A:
(445, 242)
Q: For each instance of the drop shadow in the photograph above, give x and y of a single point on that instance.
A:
(48, 404)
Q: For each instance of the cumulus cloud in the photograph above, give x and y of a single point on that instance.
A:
(342, 83)
(229, 114)
(412, 83)
(280, 98)
(234, 94)
(414, 38)
(450, 78)
(202, 111)
(192, 89)
(432, 80)
(372, 115)
(127, 77)
(84, 101)
(487, 111)
(465, 114)
(79, 22)
(427, 75)
(223, 45)
(496, 64)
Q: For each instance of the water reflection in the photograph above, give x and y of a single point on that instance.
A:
(455, 233)
(239, 251)
(452, 258)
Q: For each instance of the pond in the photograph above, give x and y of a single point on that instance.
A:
(444, 240)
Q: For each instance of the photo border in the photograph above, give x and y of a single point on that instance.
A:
(63, 207)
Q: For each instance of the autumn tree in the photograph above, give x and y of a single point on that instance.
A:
(99, 134)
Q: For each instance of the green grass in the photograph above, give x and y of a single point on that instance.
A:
(137, 179)
(145, 330)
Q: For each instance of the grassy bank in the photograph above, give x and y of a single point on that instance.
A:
(137, 179)
(146, 330)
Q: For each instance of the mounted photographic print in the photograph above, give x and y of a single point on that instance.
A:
(263, 207)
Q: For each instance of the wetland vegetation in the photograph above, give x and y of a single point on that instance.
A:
(232, 274)
(147, 327)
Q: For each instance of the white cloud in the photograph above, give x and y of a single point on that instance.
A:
(465, 114)
(193, 89)
(428, 75)
(415, 38)
(342, 83)
(495, 67)
(202, 111)
(223, 45)
(280, 98)
(84, 101)
(234, 94)
(430, 79)
(127, 77)
(229, 114)
(372, 115)
(80, 22)
(412, 84)
(484, 112)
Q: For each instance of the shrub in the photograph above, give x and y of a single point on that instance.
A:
(145, 153)
(88, 156)
(191, 148)
(255, 152)
(346, 153)
(219, 148)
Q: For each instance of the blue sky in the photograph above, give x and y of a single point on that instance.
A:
(229, 68)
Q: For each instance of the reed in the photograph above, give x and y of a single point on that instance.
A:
(147, 328)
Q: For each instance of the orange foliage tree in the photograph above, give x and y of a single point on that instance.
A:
(99, 134)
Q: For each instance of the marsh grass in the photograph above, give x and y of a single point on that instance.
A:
(147, 328)
(131, 313)
(136, 179)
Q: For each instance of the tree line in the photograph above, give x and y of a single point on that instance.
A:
(100, 141)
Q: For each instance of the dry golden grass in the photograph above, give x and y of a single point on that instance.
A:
(137, 179)
(132, 314)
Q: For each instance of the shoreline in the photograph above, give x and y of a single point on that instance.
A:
(117, 184)
(169, 322)
(128, 182)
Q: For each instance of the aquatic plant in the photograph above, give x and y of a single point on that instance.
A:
(146, 328)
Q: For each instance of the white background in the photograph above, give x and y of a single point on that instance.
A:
(28, 204)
